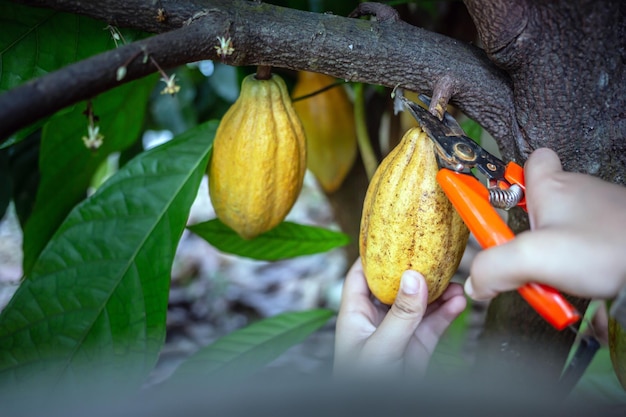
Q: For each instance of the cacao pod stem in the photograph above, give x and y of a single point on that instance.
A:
(365, 145)
(320, 91)
(263, 72)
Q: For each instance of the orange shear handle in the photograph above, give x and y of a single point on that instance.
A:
(471, 200)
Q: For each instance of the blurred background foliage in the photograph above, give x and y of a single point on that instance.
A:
(207, 90)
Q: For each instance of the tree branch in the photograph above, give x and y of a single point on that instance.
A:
(137, 14)
(83, 80)
(387, 53)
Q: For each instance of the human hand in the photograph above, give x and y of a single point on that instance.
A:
(373, 338)
(577, 241)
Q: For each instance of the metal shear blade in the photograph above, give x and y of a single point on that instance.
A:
(455, 150)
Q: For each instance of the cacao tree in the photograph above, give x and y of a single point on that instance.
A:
(538, 74)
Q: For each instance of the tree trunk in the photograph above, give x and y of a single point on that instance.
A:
(566, 61)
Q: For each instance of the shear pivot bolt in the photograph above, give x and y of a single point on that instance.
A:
(464, 152)
(491, 167)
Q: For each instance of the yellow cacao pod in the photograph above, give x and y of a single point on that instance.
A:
(259, 158)
(328, 120)
(409, 223)
(617, 349)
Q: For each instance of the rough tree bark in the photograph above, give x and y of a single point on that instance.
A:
(566, 61)
(552, 73)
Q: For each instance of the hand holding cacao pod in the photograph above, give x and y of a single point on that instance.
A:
(259, 158)
(409, 223)
(328, 120)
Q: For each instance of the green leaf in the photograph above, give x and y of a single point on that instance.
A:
(472, 129)
(67, 166)
(35, 41)
(599, 382)
(448, 356)
(287, 240)
(95, 302)
(246, 350)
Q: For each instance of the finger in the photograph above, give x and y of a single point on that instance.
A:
(355, 287)
(432, 328)
(356, 297)
(540, 176)
(389, 341)
(530, 257)
(493, 270)
(437, 321)
(541, 163)
(452, 290)
(354, 321)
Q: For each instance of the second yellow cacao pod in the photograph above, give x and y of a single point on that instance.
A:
(409, 223)
(328, 120)
(259, 158)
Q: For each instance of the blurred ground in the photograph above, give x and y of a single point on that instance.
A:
(214, 293)
(10, 256)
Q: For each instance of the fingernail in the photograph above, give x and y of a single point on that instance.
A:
(409, 283)
(469, 289)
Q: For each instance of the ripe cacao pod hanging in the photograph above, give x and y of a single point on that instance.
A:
(409, 223)
(617, 349)
(259, 158)
(328, 120)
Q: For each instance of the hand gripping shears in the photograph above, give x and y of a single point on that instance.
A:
(457, 154)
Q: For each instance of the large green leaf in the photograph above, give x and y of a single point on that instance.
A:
(35, 41)
(599, 383)
(67, 166)
(246, 350)
(287, 240)
(96, 298)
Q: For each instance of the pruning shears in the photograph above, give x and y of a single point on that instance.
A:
(476, 203)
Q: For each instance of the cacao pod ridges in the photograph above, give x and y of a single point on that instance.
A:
(409, 223)
(328, 120)
(258, 162)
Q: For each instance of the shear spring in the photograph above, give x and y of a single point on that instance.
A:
(505, 198)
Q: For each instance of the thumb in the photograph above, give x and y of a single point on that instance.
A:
(508, 266)
(540, 164)
(392, 336)
(488, 273)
